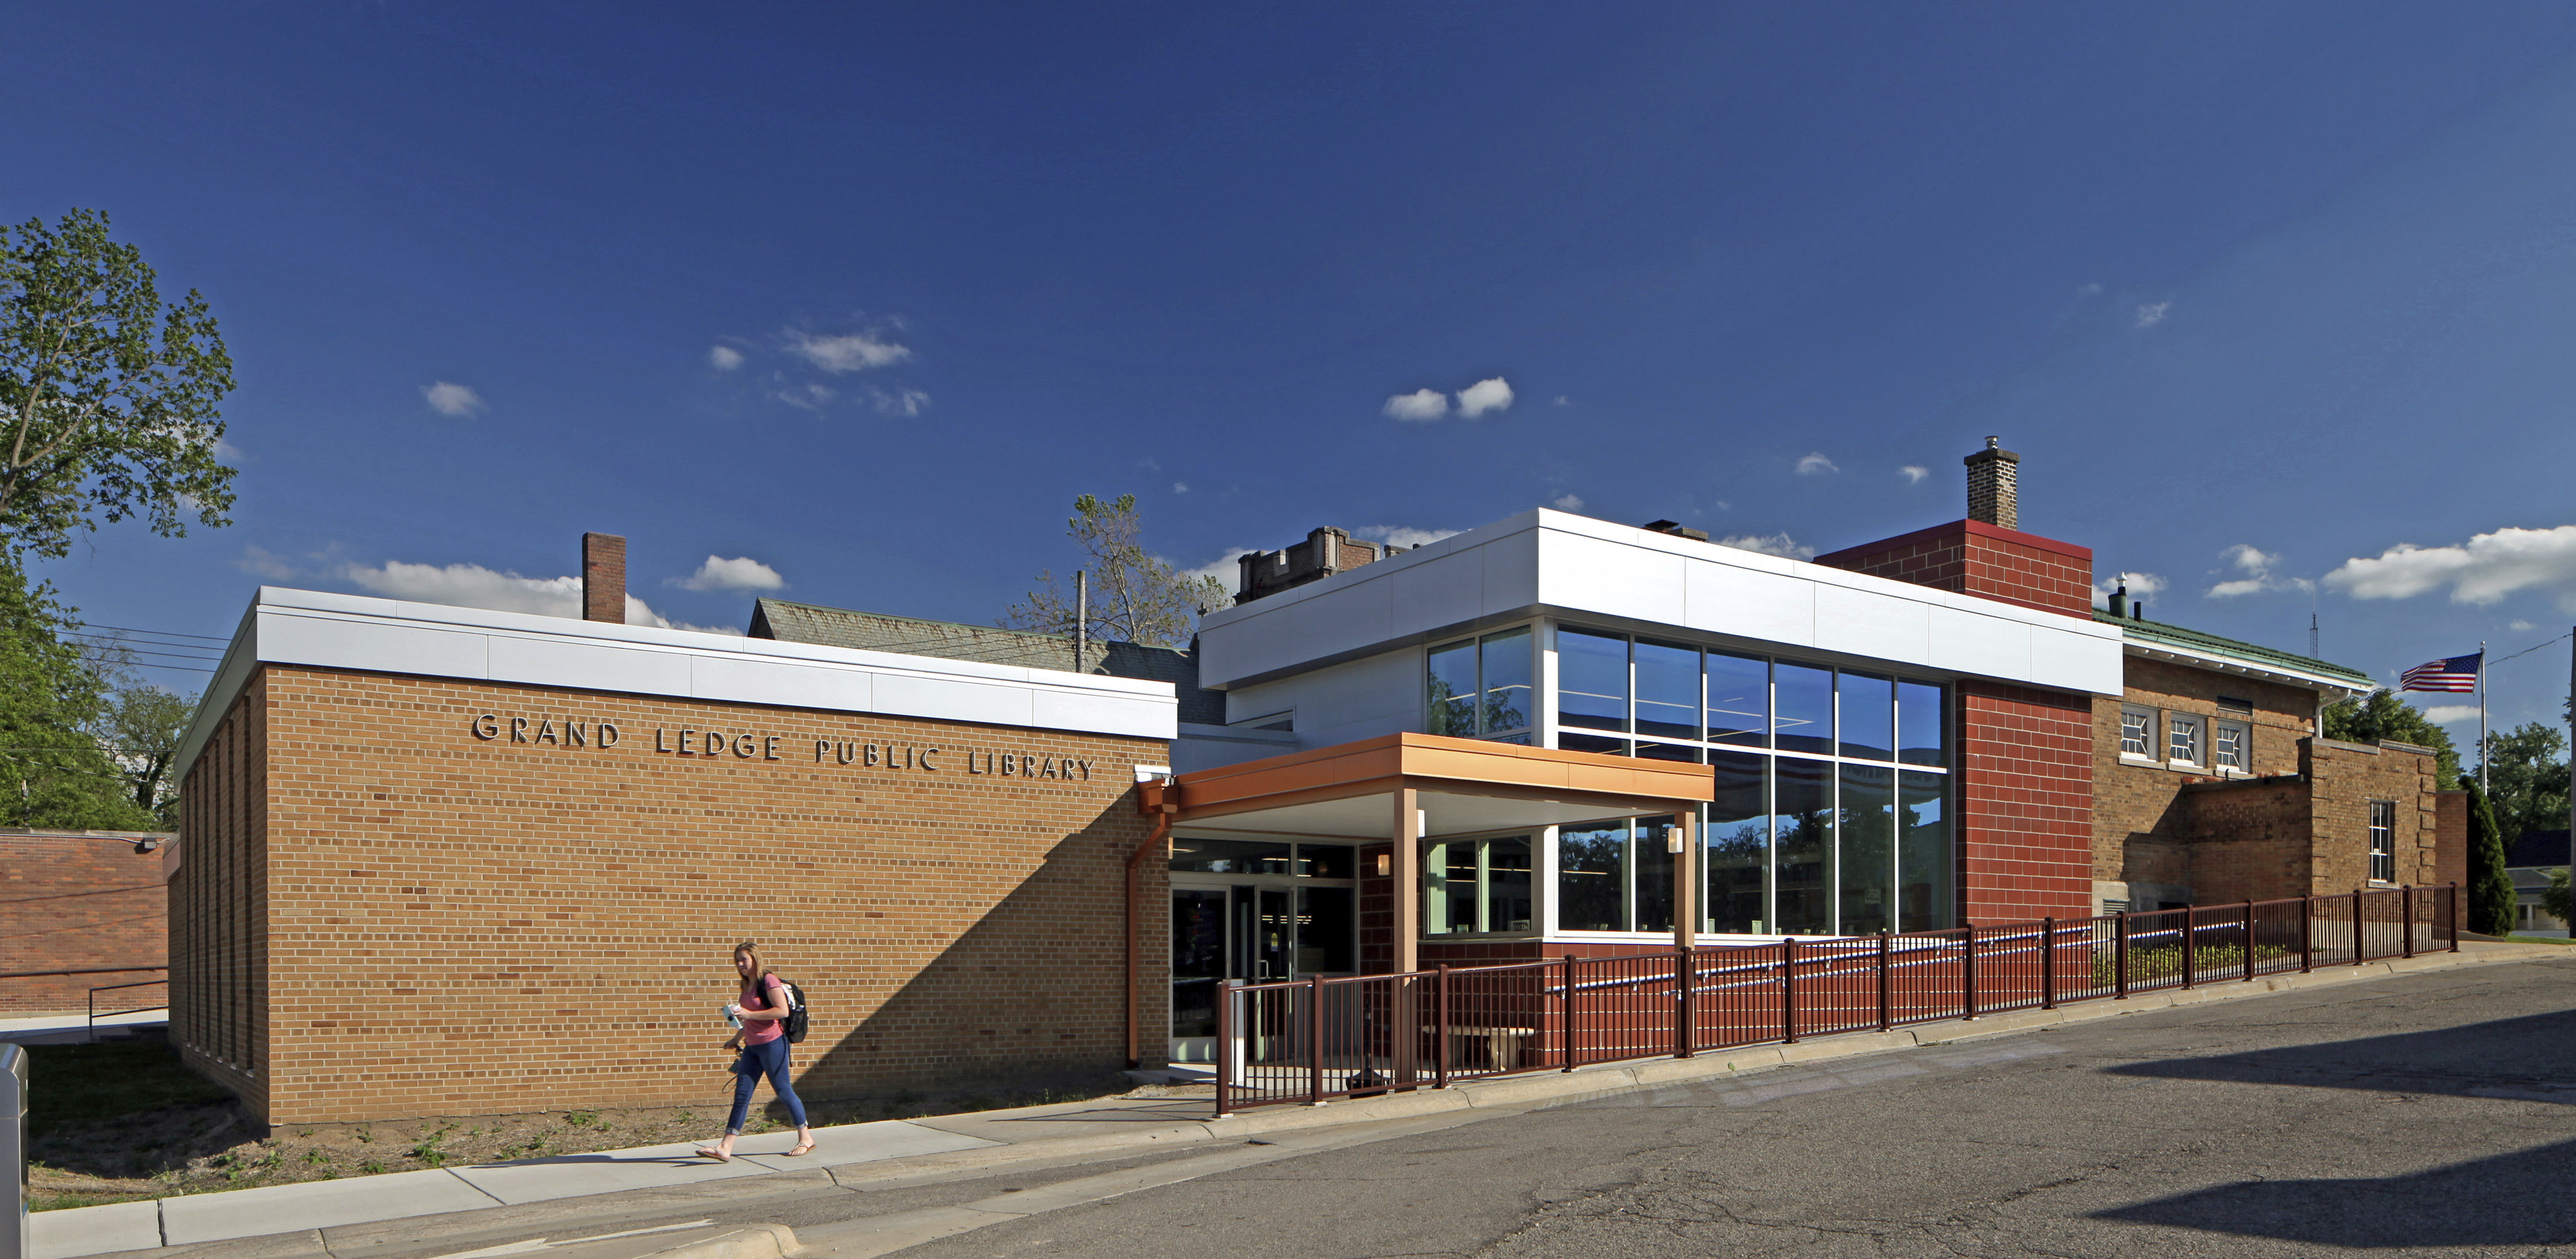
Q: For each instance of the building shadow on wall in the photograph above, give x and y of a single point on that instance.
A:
(1030, 995)
(2518, 1199)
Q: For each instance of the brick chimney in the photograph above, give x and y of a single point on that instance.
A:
(1994, 486)
(603, 578)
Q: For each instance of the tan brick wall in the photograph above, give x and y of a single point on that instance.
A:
(2136, 823)
(2348, 777)
(219, 905)
(79, 903)
(461, 925)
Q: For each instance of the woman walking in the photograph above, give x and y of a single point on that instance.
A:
(761, 1014)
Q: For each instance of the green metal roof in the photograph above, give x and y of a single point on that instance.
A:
(2177, 638)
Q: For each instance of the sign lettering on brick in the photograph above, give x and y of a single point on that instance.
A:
(744, 745)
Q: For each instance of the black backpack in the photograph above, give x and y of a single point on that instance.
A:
(795, 1019)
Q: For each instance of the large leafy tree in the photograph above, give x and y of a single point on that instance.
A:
(2526, 780)
(1135, 596)
(108, 396)
(139, 726)
(53, 770)
(2381, 715)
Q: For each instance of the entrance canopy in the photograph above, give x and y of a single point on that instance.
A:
(1405, 788)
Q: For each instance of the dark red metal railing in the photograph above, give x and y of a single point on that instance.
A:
(1309, 1040)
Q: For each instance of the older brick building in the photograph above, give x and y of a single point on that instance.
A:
(81, 910)
(444, 861)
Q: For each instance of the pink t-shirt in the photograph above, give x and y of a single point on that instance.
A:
(763, 1031)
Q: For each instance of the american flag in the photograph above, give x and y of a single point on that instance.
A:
(2459, 673)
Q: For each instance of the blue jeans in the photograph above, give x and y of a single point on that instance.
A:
(767, 1058)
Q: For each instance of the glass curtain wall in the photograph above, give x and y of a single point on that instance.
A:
(1832, 813)
(1479, 688)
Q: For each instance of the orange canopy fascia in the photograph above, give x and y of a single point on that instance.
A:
(1436, 763)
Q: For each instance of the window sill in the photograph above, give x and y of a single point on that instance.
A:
(2146, 762)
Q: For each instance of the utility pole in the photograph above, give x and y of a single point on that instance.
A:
(1081, 617)
(2482, 719)
(2571, 761)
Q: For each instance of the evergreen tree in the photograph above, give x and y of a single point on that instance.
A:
(2490, 888)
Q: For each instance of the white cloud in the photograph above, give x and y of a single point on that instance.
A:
(1815, 464)
(2260, 572)
(849, 352)
(1914, 473)
(1180, 487)
(228, 452)
(2141, 585)
(453, 399)
(2451, 714)
(1421, 404)
(905, 402)
(1485, 395)
(2152, 313)
(1566, 502)
(723, 358)
(809, 396)
(2089, 290)
(2481, 572)
(267, 564)
(1225, 570)
(744, 573)
(2521, 625)
(1403, 536)
(1779, 544)
(1562, 401)
(474, 586)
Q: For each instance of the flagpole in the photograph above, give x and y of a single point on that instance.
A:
(2482, 718)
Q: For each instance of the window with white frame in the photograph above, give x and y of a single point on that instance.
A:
(2182, 739)
(2383, 841)
(2138, 732)
(1479, 688)
(2231, 746)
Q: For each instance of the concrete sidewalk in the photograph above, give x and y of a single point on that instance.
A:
(859, 1155)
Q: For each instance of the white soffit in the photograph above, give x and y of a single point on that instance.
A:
(334, 631)
(2216, 663)
(1549, 561)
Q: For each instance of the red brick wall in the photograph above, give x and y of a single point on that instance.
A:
(77, 902)
(456, 925)
(2025, 781)
(1971, 557)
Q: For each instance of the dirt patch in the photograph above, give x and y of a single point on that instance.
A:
(170, 1147)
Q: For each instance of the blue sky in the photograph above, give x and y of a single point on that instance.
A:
(858, 299)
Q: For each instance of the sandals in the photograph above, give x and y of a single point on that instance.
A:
(802, 1149)
(709, 1151)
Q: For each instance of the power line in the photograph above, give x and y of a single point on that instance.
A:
(2528, 650)
(128, 629)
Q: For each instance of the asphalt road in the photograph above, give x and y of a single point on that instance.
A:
(2430, 1114)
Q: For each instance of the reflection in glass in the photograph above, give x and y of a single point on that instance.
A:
(1592, 879)
(1804, 713)
(1325, 940)
(1803, 818)
(1738, 842)
(1450, 700)
(1198, 962)
(1507, 681)
(1649, 750)
(1591, 680)
(1327, 861)
(1449, 888)
(1868, 716)
(1867, 861)
(1648, 845)
(1667, 690)
(1924, 858)
(1919, 724)
(1509, 903)
(1570, 742)
(1739, 700)
(1228, 856)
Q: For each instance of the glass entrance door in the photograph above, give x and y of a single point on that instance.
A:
(1251, 932)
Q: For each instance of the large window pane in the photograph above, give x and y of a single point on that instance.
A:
(1649, 855)
(1667, 690)
(1738, 842)
(1866, 865)
(1868, 706)
(1804, 821)
(1507, 681)
(1591, 680)
(1326, 943)
(1229, 856)
(1739, 700)
(1570, 742)
(1804, 716)
(1923, 852)
(1449, 888)
(1919, 725)
(1449, 702)
(1327, 861)
(1648, 749)
(1509, 905)
(1592, 879)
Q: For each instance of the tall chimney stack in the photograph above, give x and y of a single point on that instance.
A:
(603, 578)
(1993, 489)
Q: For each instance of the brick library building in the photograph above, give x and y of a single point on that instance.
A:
(412, 834)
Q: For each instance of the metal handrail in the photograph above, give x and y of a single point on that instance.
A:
(147, 983)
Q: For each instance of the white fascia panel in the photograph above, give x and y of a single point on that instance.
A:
(1597, 575)
(1968, 642)
(1740, 600)
(1510, 577)
(1866, 623)
(776, 682)
(1443, 591)
(587, 666)
(2076, 661)
(1103, 714)
(340, 642)
(955, 699)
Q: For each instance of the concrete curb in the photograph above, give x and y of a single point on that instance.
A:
(139, 1224)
